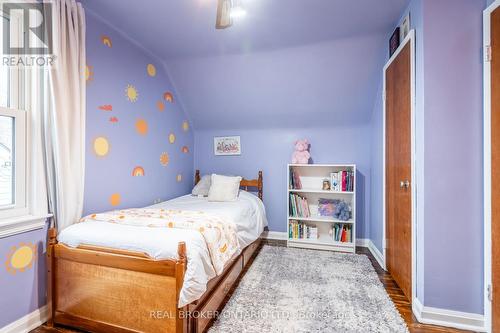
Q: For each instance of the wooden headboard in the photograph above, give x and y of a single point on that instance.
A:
(245, 183)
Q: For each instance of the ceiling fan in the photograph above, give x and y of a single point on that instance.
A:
(227, 10)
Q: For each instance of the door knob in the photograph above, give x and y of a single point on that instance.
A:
(404, 184)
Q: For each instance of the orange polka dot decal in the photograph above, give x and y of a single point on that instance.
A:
(115, 199)
(160, 106)
(20, 258)
(141, 126)
(106, 41)
(101, 146)
(151, 69)
(138, 172)
(164, 159)
(168, 97)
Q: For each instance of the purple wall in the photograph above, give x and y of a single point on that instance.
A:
(113, 69)
(22, 291)
(270, 150)
(453, 155)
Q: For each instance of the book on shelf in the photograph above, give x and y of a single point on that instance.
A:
(299, 207)
(299, 230)
(295, 183)
(341, 233)
(342, 181)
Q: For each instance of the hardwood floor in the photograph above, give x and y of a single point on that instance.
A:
(396, 294)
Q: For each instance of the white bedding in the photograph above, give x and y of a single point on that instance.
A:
(247, 213)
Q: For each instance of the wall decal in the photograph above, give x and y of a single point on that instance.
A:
(171, 138)
(101, 146)
(179, 178)
(185, 149)
(89, 73)
(113, 120)
(185, 126)
(106, 41)
(160, 106)
(106, 107)
(164, 159)
(115, 199)
(141, 126)
(138, 172)
(168, 97)
(20, 257)
(131, 93)
(151, 70)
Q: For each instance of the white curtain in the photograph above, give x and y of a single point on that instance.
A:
(65, 118)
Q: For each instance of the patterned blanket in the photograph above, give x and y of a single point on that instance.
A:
(220, 236)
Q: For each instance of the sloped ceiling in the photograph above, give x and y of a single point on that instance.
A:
(288, 63)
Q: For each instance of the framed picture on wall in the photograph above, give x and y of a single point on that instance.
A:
(227, 145)
(405, 27)
(394, 42)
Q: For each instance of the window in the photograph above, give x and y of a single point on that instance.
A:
(13, 140)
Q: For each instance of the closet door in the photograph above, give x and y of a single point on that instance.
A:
(398, 170)
(495, 167)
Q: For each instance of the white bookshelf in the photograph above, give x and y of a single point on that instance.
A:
(311, 177)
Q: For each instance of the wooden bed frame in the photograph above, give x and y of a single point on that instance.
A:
(107, 290)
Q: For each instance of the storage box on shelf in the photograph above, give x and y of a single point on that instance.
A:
(321, 204)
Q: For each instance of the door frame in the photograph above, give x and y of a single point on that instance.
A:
(409, 39)
(487, 162)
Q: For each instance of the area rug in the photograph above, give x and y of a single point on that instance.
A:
(297, 290)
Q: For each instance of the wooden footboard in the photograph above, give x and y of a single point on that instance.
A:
(106, 290)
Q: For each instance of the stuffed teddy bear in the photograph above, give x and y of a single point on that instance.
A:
(301, 154)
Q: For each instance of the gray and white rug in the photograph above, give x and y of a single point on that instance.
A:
(297, 290)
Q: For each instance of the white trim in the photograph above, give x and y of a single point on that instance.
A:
(487, 163)
(22, 224)
(448, 318)
(363, 242)
(410, 38)
(276, 235)
(28, 322)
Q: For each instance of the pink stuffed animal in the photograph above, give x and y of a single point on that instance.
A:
(301, 154)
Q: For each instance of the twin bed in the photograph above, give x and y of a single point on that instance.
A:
(112, 274)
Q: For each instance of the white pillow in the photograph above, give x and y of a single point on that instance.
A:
(224, 188)
(203, 186)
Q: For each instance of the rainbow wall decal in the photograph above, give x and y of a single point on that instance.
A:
(168, 97)
(138, 171)
(20, 258)
(185, 149)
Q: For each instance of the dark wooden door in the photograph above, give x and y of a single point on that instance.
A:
(495, 167)
(398, 170)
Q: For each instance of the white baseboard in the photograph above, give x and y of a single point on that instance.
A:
(28, 322)
(363, 242)
(277, 235)
(449, 318)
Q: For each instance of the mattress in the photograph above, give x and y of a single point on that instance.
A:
(247, 213)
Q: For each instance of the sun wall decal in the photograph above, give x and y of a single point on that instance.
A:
(115, 199)
(141, 126)
(179, 178)
(160, 105)
(151, 70)
(185, 149)
(171, 138)
(185, 126)
(89, 73)
(101, 146)
(131, 93)
(106, 41)
(168, 97)
(164, 159)
(138, 172)
(20, 258)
